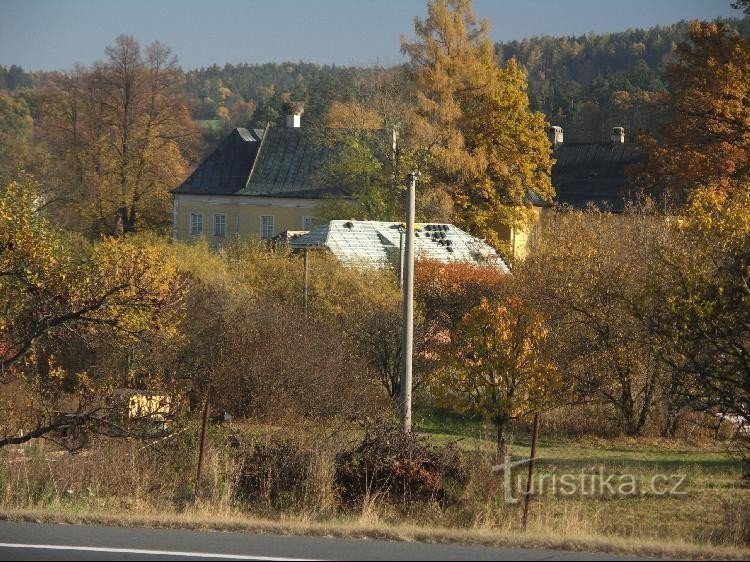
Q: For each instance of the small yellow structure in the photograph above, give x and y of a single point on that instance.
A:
(143, 405)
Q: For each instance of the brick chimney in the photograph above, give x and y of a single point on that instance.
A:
(618, 135)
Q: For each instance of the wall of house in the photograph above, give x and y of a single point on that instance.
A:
(524, 240)
(243, 214)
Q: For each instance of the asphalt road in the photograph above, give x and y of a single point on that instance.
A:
(29, 541)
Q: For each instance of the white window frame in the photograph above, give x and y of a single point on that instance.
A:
(263, 234)
(196, 220)
(217, 216)
(307, 221)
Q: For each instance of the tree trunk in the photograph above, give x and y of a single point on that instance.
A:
(504, 441)
(672, 421)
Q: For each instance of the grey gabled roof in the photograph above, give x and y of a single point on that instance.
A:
(377, 243)
(279, 162)
(593, 173)
(288, 166)
(284, 162)
(226, 170)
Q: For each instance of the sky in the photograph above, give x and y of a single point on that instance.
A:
(56, 34)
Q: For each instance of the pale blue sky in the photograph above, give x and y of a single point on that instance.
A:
(55, 34)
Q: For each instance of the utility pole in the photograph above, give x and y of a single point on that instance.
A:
(305, 279)
(407, 345)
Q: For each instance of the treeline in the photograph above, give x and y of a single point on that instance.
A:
(14, 77)
(253, 93)
(586, 84)
(590, 83)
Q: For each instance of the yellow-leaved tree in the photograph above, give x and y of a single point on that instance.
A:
(701, 162)
(376, 140)
(122, 135)
(491, 149)
(494, 366)
(60, 296)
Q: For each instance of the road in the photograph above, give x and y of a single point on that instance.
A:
(30, 541)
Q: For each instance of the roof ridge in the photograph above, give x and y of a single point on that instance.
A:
(257, 155)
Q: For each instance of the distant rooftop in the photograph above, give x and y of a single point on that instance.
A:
(593, 173)
(226, 170)
(284, 162)
(377, 243)
(278, 162)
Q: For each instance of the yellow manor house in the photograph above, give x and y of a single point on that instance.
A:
(262, 183)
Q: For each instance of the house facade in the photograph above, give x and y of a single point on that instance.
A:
(256, 183)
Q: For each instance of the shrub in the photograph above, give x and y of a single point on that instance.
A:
(272, 473)
(400, 467)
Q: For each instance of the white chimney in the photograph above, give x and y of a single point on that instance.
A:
(293, 120)
(618, 134)
(555, 136)
(294, 111)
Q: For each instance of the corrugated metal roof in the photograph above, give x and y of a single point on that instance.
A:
(377, 243)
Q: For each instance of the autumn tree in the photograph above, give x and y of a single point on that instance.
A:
(15, 134)
(702, 161)
(705, 139)
(375, 141)
(490, 148)
(123, 137)
(447, 291)
(58, 294)
(20, 149)
(595, 277)
(704, 317)
(494, 365)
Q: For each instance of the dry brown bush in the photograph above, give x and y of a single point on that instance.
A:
(399, 467)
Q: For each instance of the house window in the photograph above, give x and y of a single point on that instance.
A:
(220, 225)
(307, 223)
(266, 226)
(196, 224)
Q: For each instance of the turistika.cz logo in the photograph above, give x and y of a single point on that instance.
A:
(592, 482)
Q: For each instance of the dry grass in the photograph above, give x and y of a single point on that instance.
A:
(120, 483)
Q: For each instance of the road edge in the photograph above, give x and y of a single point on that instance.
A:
(405, 533)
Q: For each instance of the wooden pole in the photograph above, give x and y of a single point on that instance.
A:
(401, 259)
(532, 466)
(305, 279)
(407, 348)
(201, 447)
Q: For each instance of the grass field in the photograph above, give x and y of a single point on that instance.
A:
(708, 518)
(710, 505)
